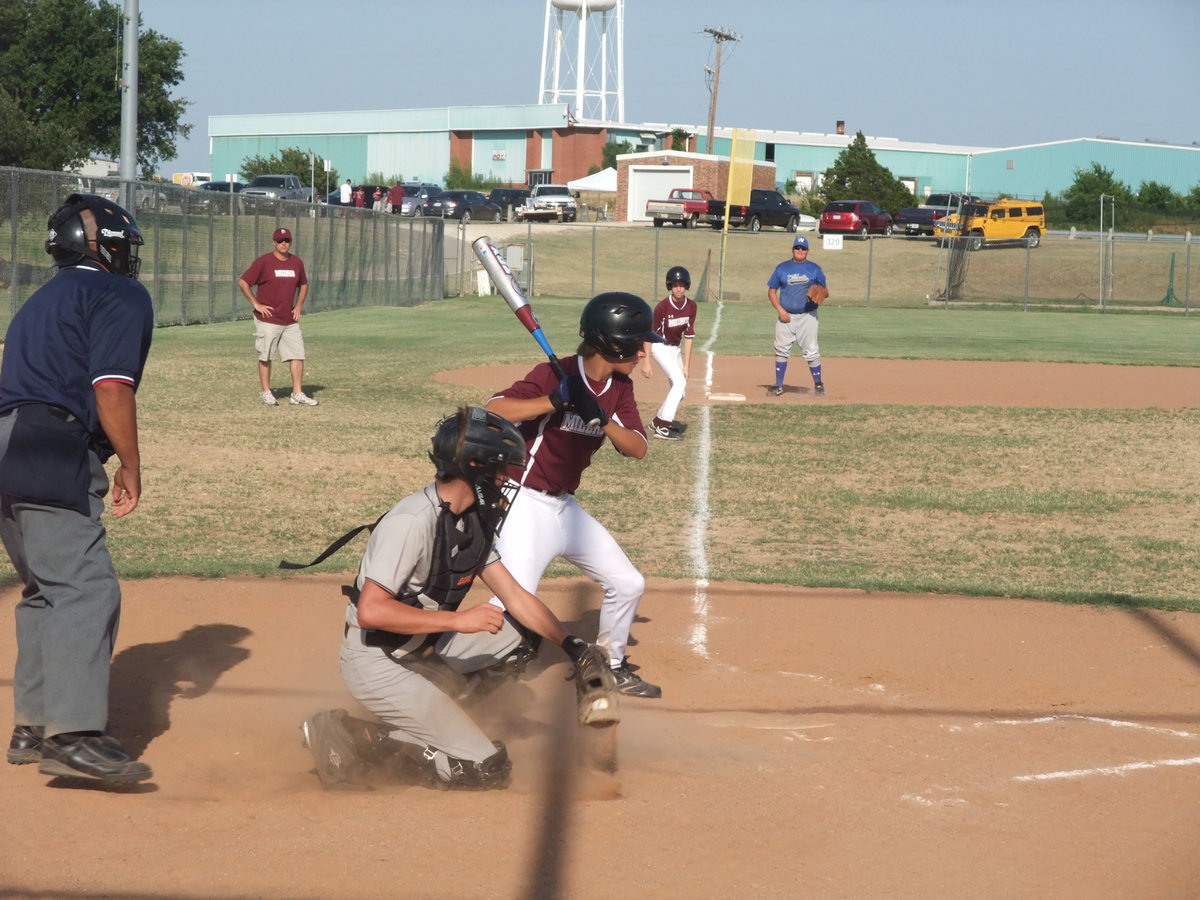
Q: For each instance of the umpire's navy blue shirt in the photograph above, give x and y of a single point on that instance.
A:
(84, 326)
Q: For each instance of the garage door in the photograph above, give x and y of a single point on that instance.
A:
(653, 183)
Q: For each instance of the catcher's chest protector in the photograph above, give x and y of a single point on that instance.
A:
(460, 547)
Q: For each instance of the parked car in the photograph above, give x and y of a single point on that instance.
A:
(416, 194)
(766, 208)
(1007, 221)
(507, 199)
(464, 206)
(216, 194)
(861, 217)
(550, 201)
(918, 220)
(277, 187)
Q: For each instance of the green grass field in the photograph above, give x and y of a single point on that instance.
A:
(1072, 505)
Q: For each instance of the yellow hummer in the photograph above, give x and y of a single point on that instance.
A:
(1005, 221)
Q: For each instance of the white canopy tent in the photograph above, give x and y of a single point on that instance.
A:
(604, 180)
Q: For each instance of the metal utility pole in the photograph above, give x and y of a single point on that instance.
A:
(127, 168)
(720, 35)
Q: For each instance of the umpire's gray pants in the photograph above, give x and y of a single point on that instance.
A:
(69, 609)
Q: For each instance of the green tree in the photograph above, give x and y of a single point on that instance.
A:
(60, 61)
(289, 161)
(857, 175)
(679, 138)
(1192, 200)
(613, 149)
(1081, 201)
(1158, 197)
(460, 177)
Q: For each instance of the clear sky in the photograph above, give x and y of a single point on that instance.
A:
(942, 71)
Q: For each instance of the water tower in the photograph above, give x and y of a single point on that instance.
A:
(591, 79)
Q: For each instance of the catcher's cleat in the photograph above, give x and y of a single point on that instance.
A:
(332, 747)
(819, 387)
(775, 391)
(596, 689)
(632, 685)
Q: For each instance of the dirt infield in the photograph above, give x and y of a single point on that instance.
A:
(809, 742)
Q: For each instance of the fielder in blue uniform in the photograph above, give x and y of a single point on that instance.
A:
(787, 289)
(73, 358)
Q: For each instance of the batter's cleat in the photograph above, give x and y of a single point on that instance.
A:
(667, 433)
(25, 746)
(302, 399)
(819, 387)
(632, 685)
(96, 756)
(776, 391)
(269, 399)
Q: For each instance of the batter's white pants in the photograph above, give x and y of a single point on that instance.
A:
(803, 331)
(540, 527)
(670, 359)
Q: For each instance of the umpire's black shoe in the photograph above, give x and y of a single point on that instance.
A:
(87, 755)
(25, 745)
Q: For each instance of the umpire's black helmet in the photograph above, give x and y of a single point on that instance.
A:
(87, 218)
(617, 324)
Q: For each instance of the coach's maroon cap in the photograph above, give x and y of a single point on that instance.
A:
(282, 234)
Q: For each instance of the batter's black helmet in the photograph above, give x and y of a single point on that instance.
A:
(478, 446)
(678, 275)
(84, 218)
(617, 324)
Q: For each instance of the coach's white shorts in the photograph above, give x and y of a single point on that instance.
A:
(284, 339)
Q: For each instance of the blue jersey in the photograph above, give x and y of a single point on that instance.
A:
(82, 327)
(792, 280)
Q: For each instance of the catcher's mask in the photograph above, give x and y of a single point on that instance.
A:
(478, 446)
(87, 219)
(617, 324)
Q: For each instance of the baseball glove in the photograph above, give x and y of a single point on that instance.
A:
(818, 293)
(596, 689)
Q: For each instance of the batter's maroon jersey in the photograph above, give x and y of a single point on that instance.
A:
(560, 445)
(277, 281)
(673, 322)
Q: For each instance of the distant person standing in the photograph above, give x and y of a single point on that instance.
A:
(276, 285)
(377, 199)
(347, 193)
(675, 321)
(360, 197)
(394, 198)
(797, 289)
(73, 358)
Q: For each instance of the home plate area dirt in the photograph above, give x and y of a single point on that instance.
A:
(809, 743)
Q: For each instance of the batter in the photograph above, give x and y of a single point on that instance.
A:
(554, 419)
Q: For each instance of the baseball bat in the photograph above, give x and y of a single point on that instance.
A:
(506, 283)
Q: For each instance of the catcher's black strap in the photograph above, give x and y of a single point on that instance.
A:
(332, 548)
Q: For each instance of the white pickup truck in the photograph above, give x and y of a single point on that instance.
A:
(550, 201)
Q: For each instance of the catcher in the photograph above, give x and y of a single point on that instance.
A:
(797, 289)
(410, 655)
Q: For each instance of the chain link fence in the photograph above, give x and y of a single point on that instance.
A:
(198, 243)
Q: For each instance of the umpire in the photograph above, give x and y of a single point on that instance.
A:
(73, 358)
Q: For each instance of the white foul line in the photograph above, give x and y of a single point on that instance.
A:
(1110, 770)
(700, 511)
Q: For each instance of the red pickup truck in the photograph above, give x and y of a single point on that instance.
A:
(684, 206)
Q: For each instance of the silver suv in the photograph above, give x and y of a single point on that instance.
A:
(551, 201)
(416, 195)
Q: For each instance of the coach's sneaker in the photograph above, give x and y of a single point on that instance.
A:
(632, 685)
(269, 399)
(302, 399)
(776, 391)
(667, 433)
(819, 387)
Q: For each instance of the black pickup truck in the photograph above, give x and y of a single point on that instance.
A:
(917, 220)
(766, 208)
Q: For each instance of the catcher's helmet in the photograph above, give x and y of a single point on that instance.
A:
(478, 446)
(678, 275)
(86, 218)
(617, 324)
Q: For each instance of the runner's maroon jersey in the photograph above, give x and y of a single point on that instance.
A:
(559, 446)
(673, 322)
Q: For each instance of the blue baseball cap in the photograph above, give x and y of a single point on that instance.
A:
(801, 242)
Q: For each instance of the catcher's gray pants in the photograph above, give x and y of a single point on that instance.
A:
(417, 710)
(803, 331)
(66, 620)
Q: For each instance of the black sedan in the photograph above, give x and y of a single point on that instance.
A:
(464, 206)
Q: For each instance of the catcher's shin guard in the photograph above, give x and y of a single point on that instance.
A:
(450, 773)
